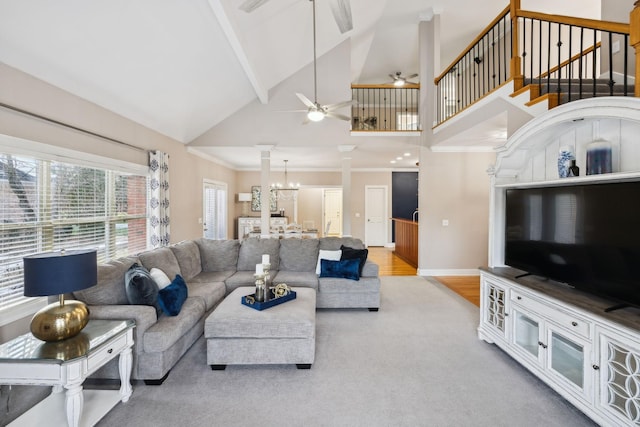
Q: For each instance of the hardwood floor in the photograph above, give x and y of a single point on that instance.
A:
(468, 287)
(390, 264)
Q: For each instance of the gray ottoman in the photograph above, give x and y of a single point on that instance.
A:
(240, 335)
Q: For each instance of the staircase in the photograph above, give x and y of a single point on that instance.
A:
(555, 59)
(561, 91)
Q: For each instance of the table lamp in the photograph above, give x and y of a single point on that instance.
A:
(57, 273)
(244, 198)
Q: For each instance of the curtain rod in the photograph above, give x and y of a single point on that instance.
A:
(59, 123)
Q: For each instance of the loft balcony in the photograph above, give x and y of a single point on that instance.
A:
(385, 110)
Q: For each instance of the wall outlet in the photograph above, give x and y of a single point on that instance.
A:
(445, 222)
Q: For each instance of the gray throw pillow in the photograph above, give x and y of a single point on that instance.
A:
(141, 289)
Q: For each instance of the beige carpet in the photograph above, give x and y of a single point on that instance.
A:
(417, 362)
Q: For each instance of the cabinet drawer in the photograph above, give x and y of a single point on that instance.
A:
(573, 323)
(108, 350)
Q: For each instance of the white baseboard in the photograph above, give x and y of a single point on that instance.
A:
(391, 245)
(452, 272)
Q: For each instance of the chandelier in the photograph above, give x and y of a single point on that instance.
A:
(288, 190)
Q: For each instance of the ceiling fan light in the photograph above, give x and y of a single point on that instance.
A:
(315, 115)
(398, 82)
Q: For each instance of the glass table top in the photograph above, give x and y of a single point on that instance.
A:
(27, 348)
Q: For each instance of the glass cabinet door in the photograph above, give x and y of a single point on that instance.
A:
(526, 333)
(566, 358)
(496, 312)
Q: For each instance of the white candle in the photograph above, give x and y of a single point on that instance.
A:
(259, 269)
(265, 259)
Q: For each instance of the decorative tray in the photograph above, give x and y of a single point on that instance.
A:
(250, 300)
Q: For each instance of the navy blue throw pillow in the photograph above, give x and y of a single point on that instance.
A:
(345, 269)
(140, 288)
(173, 296)
(359, 254)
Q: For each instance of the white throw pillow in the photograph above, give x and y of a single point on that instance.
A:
(161, 279)
(330, 255)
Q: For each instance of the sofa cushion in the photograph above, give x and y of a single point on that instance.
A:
(161, 279)
(323, 254)
(162, 258)
(345, 269)
(212, 276)
(140, 287)
(240, 278)
(305, 279)
(210, 292)
(337, 285)
(299, 254)
(171, 298)
(168, 329)
(188, 255)
(334, 243)
(252, 249)
(359, 254)
(218, 255)
(110, 287)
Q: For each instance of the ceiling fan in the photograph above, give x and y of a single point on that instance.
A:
(400, 80)
(341, 10)
(316, 111)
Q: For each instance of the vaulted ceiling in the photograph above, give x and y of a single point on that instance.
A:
(200, 71)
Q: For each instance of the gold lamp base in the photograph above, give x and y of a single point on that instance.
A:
(59, 321)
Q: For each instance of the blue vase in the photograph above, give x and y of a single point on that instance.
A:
(599, 157)
(565, 155)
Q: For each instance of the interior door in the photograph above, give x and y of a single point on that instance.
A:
(376, 221)
(215, 210)
(332, 223)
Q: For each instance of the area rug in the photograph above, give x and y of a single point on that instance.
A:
(416, 362)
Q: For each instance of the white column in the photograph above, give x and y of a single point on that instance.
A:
(429, 53)
(265, 190)
(346, 188)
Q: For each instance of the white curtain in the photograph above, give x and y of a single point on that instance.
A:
(159, 234)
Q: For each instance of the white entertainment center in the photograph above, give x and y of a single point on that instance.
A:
(563, 336)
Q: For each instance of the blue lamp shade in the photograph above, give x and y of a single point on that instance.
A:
(55, 273)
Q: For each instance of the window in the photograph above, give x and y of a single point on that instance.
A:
(407, 121)
(47, 205)
(215, 210)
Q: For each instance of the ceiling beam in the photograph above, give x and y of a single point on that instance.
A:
(225, 24)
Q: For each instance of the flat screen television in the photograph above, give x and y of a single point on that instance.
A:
(587, 236)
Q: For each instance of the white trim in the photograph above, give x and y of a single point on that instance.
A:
(449, 272)
(21, 310)
(462, 149)
(42, 151)
(391, 245)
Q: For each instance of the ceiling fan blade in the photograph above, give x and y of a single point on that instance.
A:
(412, 76)
(338, 116)
(306, 101)
(341, 10)
(393, 77)
(339, 105)
(251, 5)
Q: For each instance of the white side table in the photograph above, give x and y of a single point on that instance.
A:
(65, 365)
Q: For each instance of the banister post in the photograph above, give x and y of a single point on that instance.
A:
(515, 66)
(634, 40)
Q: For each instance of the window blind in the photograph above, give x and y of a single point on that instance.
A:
(48, 206)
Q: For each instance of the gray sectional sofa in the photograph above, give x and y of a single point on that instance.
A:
(212, 269)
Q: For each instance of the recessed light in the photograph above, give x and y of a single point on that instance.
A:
(398, 158)
(392, 161)
(407, 154)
